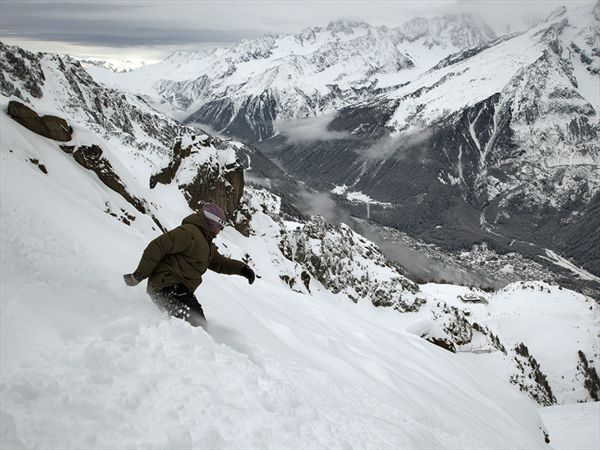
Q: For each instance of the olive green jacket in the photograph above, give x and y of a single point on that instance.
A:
(182, 255)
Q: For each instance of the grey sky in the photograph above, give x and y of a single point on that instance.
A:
(153, 29)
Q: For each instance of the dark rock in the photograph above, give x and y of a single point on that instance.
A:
(52, 127)
(444, 343)
(591, 379)
(530, 378)
(92, 159)
(330, 265)
(24, 66)
(222, 185)
(42, 167)
(167, 174)
(454, 323)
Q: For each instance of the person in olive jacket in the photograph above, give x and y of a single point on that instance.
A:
(175, 262)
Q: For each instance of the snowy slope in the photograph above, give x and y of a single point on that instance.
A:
(574, 426)
(553, 323)
(59, 85)
(90, 363)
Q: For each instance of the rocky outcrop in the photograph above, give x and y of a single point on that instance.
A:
(52, 127)
(205, 168)
(343, 261)
(590, 375)
(20, 73)
(432, 332)
(444, 343)
(167, 174)
(224, 187)
(91, 157)
(454, 323)
(530, 377)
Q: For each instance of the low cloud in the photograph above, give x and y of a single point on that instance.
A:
(510, 16)
(321, 204)
(310, 129)
(395, 146)
(250, 179)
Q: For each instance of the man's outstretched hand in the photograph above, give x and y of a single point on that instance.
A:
(248, 273)
(131, 280)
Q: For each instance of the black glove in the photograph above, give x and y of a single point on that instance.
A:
(132, 279)
(248, 273)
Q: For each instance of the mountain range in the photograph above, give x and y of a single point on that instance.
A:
(333, 344)
(438, 127)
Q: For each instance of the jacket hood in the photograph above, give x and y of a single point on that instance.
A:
(200, 221)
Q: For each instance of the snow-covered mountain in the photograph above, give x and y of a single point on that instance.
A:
(113, 120)
(331, 347)
(114, 65)
(462, 136)
(245, 89)
(497, 143)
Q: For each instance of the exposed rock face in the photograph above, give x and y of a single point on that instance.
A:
(590, 376)
(205, 169)
(92, 159)
(431, 332)
(21, 65)
(224, 187)
(52, 127)
(167, 174)
(444, 343)
(316, 255)
(454, 323)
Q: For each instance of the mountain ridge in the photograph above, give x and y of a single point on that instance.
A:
(496, 149)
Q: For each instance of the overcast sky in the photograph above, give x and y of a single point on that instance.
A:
(151, 30)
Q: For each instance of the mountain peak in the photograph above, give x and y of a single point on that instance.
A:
(558, 12)
(461, 30)
(346, 26)
(306, 35)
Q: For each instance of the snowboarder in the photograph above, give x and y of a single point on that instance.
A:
(175, 262)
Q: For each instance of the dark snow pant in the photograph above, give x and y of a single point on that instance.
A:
(179, 302)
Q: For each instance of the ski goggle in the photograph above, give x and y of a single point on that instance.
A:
(216, 219)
